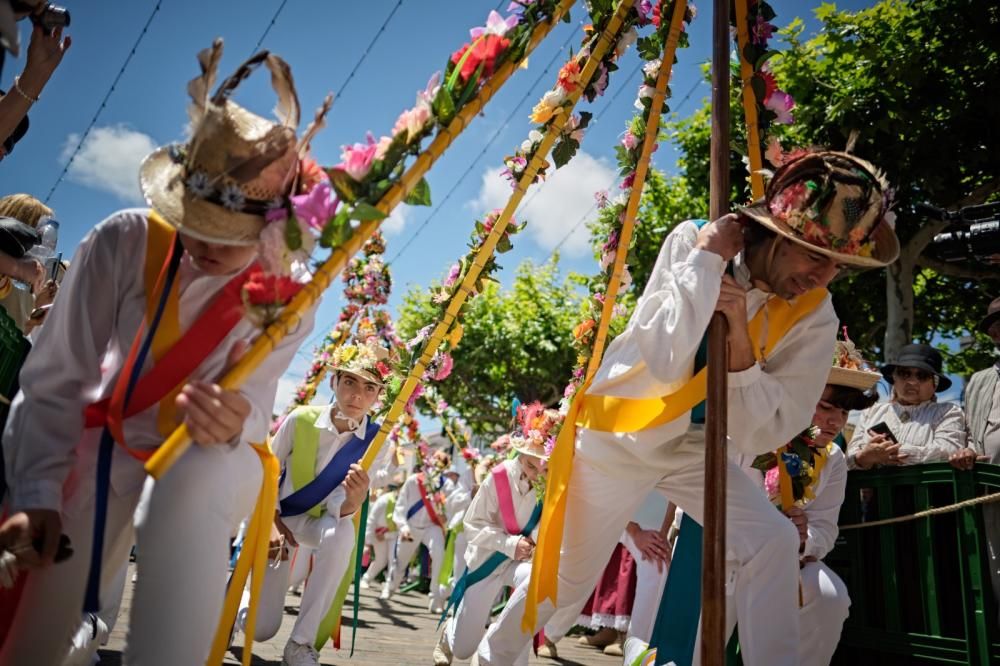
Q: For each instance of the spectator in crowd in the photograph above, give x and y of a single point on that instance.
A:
(912, 427)
(19, 303)
(982, 409)
(45, 52)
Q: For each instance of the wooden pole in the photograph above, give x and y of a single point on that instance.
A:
(713, 586)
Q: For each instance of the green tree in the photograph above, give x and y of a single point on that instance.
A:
(917, 82)
(517, 343)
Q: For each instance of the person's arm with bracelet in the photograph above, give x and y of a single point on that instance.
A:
(45, 52)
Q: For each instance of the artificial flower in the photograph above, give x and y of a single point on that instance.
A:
(198, 184)
(569, 76)
(266, 289)
(598, 83)
(630, 141)
(625, 41)
(781, 103)
(310, 174)
(761, 31)
(357, 160)
(652, 68)
(495, 25)
(601, 199)
(315, 207)
(232, 197)
(484, 50)
(412, 121)
(547, 106)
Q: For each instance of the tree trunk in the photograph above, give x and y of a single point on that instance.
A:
(899, 305)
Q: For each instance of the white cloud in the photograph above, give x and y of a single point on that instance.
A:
(394, 224)
(565, 197)
(109, 160)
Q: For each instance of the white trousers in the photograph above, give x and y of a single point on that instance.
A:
(381, 553)
(598, 507)
(433, 538)
(648, 592)
(181, 527)
(465, 629)
(278, 579)
(331, 539)
(458, 567)
(825, 607)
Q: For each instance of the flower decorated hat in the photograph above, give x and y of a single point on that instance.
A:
(237, 165)
(366, 360)
(535, 434)
(833, 203)
(850, 369)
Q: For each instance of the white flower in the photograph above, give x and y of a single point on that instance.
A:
(534, 136)
(198, 184)
(232, 198)
(626, 40)
(554, 98)
(652, 68)
(526, 146)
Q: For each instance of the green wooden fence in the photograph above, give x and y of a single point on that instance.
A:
(920, 590)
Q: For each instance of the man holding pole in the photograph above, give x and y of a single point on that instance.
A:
(639, 425)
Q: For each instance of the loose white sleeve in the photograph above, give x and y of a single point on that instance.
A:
(484, 524)
(384, 467)
(670, 318)
(772, 405)
(824, 511)
(408, 494)
(62, 373)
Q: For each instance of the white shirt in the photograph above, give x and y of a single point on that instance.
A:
(456, 503)
(655, 355)
(409, 495)
(377, 514)
(928, 432)
(100, 307)
(330, 442)
(484, 526)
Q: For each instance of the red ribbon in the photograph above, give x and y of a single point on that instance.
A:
(427, 502)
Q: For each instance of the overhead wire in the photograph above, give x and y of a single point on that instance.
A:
(104, 102)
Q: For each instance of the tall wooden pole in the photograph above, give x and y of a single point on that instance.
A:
(713, 587)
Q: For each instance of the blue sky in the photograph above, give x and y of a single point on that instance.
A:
(323, 41)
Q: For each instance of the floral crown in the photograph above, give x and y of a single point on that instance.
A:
(364, 359)
(535, 432)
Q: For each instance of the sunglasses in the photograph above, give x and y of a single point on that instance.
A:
(905, 374)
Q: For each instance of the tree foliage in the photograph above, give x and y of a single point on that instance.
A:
(917, 81)
(517, 343)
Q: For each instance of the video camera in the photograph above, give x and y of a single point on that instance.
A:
(974, 232)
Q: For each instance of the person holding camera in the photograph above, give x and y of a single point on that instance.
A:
(45, 52)
(912, 427)
(27, 307)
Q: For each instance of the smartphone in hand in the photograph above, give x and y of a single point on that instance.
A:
(882, 428)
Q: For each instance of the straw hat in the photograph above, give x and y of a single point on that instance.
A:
(365, 360)
(833, 203)
(534, 436)
(219, 186)
(850, 369)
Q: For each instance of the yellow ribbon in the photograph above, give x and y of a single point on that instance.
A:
(159, 240)
(252, 562)
(749, 104)
(609, 414)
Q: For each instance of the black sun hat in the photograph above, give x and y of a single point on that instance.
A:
(922, 357)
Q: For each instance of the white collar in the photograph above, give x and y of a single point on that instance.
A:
(325, 422)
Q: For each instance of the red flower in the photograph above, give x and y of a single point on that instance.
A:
(383, 369)
(770, 85)
(569, 76)
(656, 15)
(266, 289)
(310, 174)
(485, 50)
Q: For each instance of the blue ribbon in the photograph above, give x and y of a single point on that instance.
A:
(469, 579)
(91, 599)
(331, 476)
(417, 506)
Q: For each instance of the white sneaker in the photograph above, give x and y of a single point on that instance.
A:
(386, 594)
(442, 651)
(364, 583)
(297, 654)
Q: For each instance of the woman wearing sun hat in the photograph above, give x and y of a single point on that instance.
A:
(186, 258)
(920, 429)
(639, 423)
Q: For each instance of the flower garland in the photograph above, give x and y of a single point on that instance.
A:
(329, 203)
(611, 214)
(364, 289)
(803, 459)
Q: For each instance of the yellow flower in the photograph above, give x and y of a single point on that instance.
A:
(542, 113)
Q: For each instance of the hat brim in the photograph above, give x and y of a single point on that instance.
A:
(161, 180)
(988, 321)
(943, 382)
(856, 379)
(886, 243)
(530, 450)
(364, 376)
